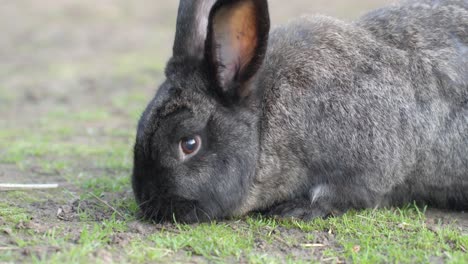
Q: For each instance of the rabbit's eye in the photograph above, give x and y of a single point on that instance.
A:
(190, 146)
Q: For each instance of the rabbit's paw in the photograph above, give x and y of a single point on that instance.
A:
(326, 200)
(299, 209)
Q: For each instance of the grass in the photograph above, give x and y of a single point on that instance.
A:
(397, 236)
(214, 242)
(6, 97)
(97, 114)
(110, 184)
(138, 67)
(91, 239)
(49, 149)
(13, 214)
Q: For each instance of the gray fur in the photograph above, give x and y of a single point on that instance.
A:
(192, 22)
(349, 115)
(377, 109)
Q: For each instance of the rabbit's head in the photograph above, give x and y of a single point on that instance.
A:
(197, 141)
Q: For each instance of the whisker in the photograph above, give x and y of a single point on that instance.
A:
(204, 212)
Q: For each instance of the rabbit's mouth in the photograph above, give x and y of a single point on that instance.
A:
(174, 209)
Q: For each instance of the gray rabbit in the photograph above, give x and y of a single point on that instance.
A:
(311, 119)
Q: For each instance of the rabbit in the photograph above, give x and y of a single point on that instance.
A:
(310, 119)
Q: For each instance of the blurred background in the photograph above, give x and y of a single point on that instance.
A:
(76, 74)
(66, 57)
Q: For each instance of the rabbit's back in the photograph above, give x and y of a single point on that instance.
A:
(378, 104)
(420, 25)
(432, 30)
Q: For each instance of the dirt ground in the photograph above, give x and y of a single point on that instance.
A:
(74, 76)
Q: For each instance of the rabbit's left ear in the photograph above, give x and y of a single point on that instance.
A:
(236, 43)
(191, 29)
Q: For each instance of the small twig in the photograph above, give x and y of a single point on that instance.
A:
(107, 204)
(281, 240)
(14, 187)
(38, 248)
(9, 248)
(40, 172)
(313, 245)
(463, 248)
(334, 259)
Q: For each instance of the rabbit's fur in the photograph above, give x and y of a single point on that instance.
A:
(319, 117)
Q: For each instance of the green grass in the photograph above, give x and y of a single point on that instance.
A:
(12, 214)
(25, 197)
(6, 97)
(214, 240)
(384, 236)
(57, 155)
(133, 105)
(391, 236)
(92, 238)
(140, 66)
(97, 114)
(109, 184)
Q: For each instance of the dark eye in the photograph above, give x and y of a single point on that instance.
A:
(190, 145)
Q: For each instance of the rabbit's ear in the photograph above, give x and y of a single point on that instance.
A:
(191, 28)
(236, 43)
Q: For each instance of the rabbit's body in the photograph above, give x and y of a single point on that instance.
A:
(331, 116)
(366, 114)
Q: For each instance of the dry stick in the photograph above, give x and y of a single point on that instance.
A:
(20, 248)
(108, 205)
(9, 248)
(463, 249)
(12, 187)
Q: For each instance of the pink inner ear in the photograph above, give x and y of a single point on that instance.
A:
(235, 39)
